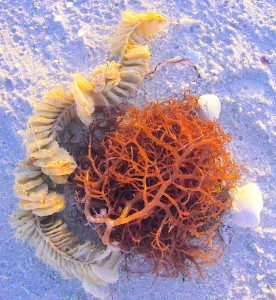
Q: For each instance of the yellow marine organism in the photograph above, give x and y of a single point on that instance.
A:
(48, 164)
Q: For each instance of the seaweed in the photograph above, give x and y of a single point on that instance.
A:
(158, 185)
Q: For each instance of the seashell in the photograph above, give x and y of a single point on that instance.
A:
(209, 107)
(247, 205)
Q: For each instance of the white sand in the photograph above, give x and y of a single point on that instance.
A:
(42, 42)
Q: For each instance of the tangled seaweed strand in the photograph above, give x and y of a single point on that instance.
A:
(158, 186)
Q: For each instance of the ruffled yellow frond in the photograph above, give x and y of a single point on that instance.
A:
(137, 52)
(85, 104)
(50, 204)
(58, 167)
(55, 94)
(106, 76)
(48, 150)
(83, 83)
(135, 28)
(33, 192)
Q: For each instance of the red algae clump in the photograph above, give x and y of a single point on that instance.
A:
(158, 186)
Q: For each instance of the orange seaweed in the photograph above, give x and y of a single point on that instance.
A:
(158, 185)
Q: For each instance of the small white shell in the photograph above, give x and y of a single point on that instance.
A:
(210, 107)
(247, 205)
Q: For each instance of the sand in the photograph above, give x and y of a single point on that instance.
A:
(230, 42)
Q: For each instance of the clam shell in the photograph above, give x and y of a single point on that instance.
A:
(209, 107)
(247, 205)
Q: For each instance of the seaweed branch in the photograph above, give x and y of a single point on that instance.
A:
(174, 61)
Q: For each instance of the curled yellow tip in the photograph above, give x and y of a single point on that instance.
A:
(55, 94)
(135, 28)
(137, 52)
(135, 18)
(84, 84)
